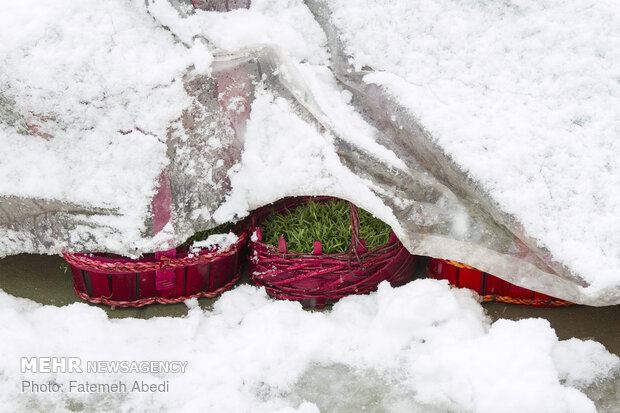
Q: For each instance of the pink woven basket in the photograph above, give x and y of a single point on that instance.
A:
(317, 279)
(123, 282)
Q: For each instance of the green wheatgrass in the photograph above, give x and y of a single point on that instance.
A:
(328, 222)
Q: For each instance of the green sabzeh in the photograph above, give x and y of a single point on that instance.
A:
(328, 222)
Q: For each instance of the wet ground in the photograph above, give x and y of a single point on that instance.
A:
(41, 278)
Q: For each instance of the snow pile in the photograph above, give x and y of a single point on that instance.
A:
(288, 27)
(523, 95)
(421, 347)
(88, 91)
(285, 23)
(96, 99)
(286, 156)
(219, 241)
(96, 87)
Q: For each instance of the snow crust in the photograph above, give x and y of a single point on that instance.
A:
(100, 84)
(397, 348)
(285, 23)
(284, 153)
(286, 156)
(219, 241)
(523, 95)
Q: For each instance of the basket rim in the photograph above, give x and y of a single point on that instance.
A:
(336, 255)
(124, 265)
(140, 302)
(335, 279)
(259, 215)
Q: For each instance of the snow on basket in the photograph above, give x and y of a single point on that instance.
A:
(316, 278)
(199, 269)
(488, 286)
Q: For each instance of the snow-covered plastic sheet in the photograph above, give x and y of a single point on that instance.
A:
(284, 111)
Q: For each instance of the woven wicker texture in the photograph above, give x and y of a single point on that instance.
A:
(123, 282)
(323, 278)
(151, 300)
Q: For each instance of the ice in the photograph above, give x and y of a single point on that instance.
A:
(420, 347)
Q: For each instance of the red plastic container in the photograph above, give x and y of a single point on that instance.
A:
(488, 286)
(317, 279)
(123, 282)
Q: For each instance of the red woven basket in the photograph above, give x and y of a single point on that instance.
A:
(318, 279)
(123, 282)
(488, 286)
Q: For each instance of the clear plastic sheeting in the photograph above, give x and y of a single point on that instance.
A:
(405, 177)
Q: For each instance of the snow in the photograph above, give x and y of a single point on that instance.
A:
(285, 23)
(394, 350)
(290, 28)
(219, 241)
(523, 95)
(299, 161)
(70, 59)
(101, 83)
(105, 101)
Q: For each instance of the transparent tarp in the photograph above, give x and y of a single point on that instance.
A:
(441, 212)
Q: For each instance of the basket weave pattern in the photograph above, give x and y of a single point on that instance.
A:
(122, 282)
(316, 279)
